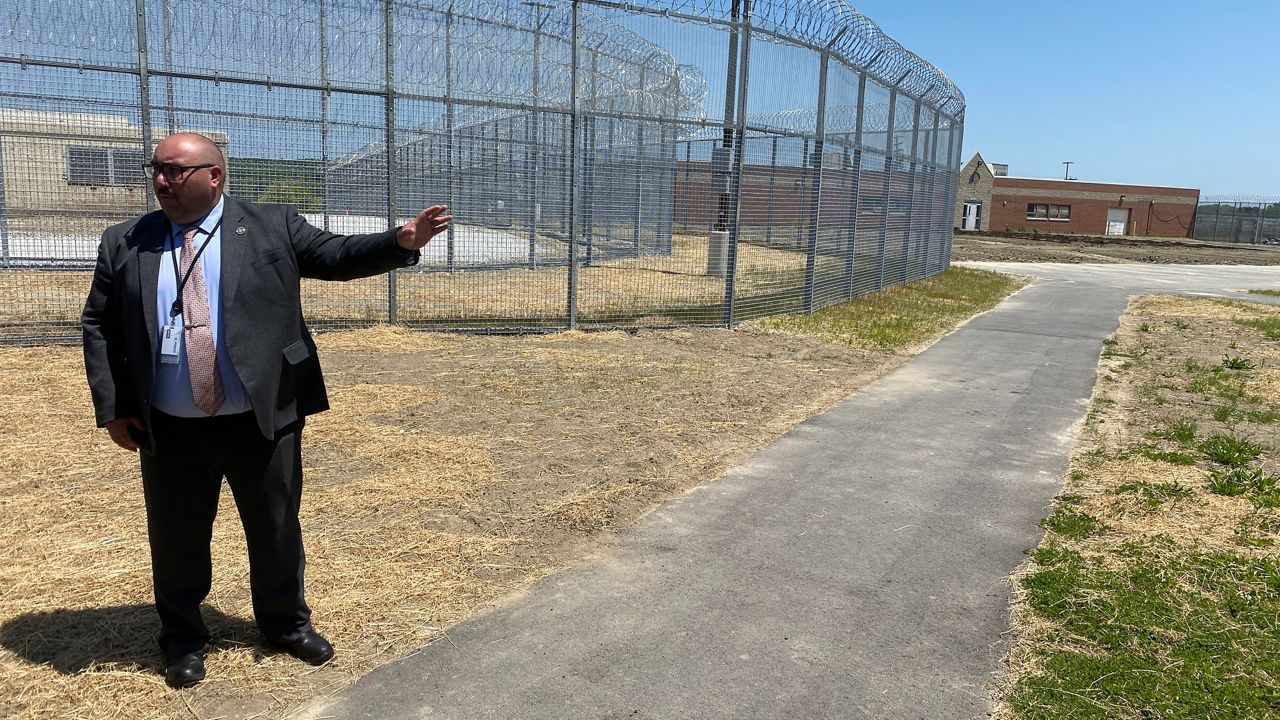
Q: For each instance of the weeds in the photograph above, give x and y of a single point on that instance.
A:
(903, 315)
(1182, 432)
(1071, 524)
(1230, 450)
(1229, 482)
(1270, 327)
(1153, 495)
(1173, 457)
(1235, 362)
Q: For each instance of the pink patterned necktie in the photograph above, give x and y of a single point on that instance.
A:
(202, 361)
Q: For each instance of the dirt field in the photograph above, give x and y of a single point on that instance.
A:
(451, 472)
(1076, 249)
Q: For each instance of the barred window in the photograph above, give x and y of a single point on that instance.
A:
(88, 166)
(1038, 211)
(103, 166)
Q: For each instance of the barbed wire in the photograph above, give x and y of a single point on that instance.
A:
(490, 45)
(1239, 199)
(852, 37)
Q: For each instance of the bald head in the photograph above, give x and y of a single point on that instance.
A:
(194, 176)
(199, 146)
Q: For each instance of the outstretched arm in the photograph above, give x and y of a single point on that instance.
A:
(329, 256)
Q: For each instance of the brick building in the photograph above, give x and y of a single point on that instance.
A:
(989, 199)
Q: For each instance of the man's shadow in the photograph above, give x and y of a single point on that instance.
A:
(71, 641)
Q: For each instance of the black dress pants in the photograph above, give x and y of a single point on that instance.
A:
(181, 481)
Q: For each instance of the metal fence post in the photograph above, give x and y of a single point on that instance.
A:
(4, 212)
(640, 168)
(773, 182)
(324, 110)
(888, 187)
(144, 89)
(913, 168)
(953, 175)
(815, 192)
(450, 171)
(936, 211)
(587, 201)
(389, 59)
(667, 193)
(851, 229)
(167, 29)
(735, 178)
(574, 125)
(532, 146)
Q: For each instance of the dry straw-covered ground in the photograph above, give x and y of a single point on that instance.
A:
(452, 471)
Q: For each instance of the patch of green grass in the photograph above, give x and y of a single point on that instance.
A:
(1187, 637)
(1228, 414)
(1251, 531)
(1262, 417)
(1144, 327)
(1181, 325)
(1270, 327)
(904, 315)
(1246, 533)
(1230, 450)
(1182, 432)
(1235, 362)
(1173, 457)
(1272, 293)
(1230, 482)
(1153, 495)
(1071, 524)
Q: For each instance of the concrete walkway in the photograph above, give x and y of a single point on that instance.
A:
(854, 568)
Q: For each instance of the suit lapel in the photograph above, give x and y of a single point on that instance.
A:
(234, 244)
(151, 239)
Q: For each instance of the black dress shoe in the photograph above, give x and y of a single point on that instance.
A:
(309, 647)
(185, 670)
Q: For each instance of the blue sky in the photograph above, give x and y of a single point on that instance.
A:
(1164, 92)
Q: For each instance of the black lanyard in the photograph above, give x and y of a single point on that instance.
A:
(176, 310)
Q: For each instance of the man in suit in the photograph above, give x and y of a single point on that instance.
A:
(197, 354)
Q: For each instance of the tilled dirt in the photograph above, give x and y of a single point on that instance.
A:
(1083, 249)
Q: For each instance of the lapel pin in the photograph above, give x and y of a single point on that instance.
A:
(240, 230)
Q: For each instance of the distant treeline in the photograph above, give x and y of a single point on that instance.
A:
(268, 180)
(1242, 208)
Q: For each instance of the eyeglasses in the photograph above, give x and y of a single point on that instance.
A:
(171, 172)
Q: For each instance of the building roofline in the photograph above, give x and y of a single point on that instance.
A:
(1096, 182)
(1101, 182)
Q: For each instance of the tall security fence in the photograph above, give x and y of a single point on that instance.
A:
(1253, 220)
(609, 164)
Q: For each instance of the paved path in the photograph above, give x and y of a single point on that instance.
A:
(854, 568)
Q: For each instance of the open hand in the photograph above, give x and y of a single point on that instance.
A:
(418, 232)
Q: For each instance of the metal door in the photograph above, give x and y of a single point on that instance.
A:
(1117, 220)
(972, 215)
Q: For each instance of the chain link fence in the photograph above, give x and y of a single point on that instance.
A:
(654, 163)
(1254, 220)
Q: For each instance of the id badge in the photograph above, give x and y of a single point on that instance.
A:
(170, 344)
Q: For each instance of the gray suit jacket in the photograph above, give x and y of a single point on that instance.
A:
(264, 332)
